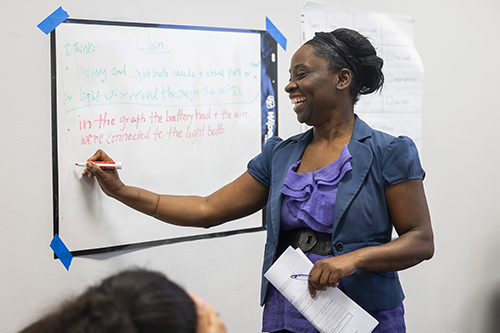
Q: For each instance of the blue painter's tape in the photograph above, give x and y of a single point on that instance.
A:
(61, 251)
(53, 20)
(275, 33)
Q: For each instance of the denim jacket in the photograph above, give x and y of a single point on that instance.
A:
(361, 215)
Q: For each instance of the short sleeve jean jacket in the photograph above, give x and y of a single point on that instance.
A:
(361, 216)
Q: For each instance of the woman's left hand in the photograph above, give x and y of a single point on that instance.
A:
(327, 272)
(410, 216)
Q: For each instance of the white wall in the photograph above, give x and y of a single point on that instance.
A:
(457, 291)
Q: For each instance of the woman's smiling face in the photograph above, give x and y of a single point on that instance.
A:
(312, 87)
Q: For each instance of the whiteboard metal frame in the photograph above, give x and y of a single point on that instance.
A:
(269, 110)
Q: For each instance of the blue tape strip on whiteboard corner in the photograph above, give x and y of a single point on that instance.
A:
(61, 251)
(53, 20)
(275, 33)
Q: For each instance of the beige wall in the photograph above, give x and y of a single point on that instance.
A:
(457, 291)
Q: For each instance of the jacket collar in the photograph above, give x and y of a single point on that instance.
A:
(361, 130)
(351, 183)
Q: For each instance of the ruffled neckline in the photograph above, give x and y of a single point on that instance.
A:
(310, 197)
(329, 174)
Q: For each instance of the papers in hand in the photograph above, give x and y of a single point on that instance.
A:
(331, 311)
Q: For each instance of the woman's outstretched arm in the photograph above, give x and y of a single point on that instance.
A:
(240, 198)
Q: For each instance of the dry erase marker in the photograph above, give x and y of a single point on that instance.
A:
(103, 165)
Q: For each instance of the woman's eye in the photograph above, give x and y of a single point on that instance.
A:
(297, 76)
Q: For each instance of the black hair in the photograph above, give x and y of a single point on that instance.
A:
(136, 301)
(349, 49)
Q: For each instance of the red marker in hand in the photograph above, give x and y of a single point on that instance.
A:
(103, 165)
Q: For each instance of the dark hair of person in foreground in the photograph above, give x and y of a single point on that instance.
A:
(132, 301)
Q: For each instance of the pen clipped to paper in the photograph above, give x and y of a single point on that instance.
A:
(103, 165)
(304, 277)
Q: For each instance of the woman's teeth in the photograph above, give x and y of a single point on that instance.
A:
(298, 100)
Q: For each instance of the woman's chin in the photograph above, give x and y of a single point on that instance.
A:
(301, 117)
(303, 120)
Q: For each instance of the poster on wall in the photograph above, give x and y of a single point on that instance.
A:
(397, 109)
(183, 108)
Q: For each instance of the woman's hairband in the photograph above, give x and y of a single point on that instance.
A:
(338, 46)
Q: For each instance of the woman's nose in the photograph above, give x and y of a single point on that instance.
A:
(291, 86)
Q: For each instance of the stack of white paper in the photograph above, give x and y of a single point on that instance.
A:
(331, 311)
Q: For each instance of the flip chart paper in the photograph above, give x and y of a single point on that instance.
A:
(397, 109)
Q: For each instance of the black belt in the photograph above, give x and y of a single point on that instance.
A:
(307, 239)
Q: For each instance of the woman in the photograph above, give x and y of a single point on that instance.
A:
(336, 191)
(135, 301)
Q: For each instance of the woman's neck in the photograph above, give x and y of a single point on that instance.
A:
(339, 128)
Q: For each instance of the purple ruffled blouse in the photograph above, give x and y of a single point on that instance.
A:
(309, 201)
(309, 198)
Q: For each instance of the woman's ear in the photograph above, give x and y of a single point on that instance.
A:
(344, 78)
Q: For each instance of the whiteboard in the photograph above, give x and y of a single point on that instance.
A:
(183, 108)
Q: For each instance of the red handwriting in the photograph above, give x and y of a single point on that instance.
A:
(191, 124)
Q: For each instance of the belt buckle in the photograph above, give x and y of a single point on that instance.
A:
(307, 239)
